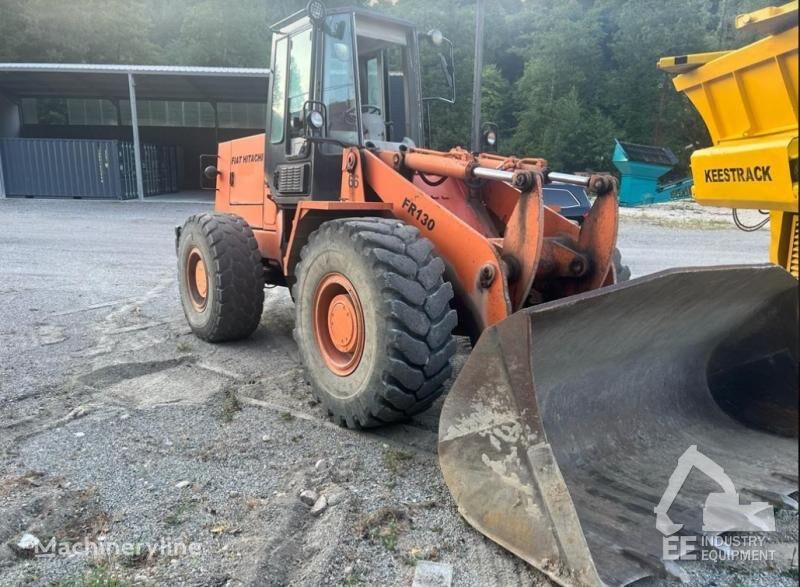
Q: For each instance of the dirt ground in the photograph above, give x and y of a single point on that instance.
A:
(120, 427)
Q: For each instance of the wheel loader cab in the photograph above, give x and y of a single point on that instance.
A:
(349, 78)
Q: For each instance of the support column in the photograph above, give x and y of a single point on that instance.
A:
(2, 181)
(475, 143)
(137, 148)
(216, 122)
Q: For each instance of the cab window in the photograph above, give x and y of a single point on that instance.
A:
(383, 74)
(338, 84)
(278, 92)
(374, 93)
(299, 85)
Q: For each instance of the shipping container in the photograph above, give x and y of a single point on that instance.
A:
(78, 168)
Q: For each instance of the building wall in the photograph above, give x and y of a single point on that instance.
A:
(191, 142)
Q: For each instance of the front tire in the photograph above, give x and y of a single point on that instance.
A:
(221, 277)
(374, 323)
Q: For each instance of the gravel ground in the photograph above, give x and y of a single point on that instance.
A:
(118, 426)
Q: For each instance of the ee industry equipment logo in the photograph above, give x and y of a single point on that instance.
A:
(722, 513)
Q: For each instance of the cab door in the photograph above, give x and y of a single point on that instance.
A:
(288, 153)
(246, 171)
(312, 64)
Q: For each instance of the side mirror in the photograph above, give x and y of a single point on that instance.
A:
(208, 172)
(447, 71)
(437, 39)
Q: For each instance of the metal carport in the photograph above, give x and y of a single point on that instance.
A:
(132, 82)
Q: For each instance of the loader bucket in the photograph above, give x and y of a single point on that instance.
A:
(564, 427)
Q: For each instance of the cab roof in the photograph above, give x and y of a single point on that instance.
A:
(357, 10)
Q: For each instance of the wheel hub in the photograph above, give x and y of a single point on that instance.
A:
(338, 324)
(200, 279)
(342, 323)
(197, 279)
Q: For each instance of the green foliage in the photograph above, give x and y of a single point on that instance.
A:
(213, 33)
(561, 79)
(495, 90)
(395, 459)
(99, 575)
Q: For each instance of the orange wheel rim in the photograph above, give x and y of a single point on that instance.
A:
(197, 279)
(338, 324)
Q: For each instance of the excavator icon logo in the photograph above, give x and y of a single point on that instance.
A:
(722, 512)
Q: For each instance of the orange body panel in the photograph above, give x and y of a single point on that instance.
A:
(454, 195)
(352, 176)
(241, 172)
(309, 215)
(453, 164)
(242, 189)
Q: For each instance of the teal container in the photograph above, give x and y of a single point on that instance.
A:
(640, 168)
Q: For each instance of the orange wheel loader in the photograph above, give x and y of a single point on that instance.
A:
(559, 435)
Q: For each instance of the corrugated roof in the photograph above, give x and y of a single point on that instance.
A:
(157, 82)
(137, 69)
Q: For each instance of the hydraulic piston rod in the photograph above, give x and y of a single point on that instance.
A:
(503, 175)
(569, 178)
(495, 174)
(462, 165)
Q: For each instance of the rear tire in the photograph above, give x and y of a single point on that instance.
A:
(220, 277)
(374, 323)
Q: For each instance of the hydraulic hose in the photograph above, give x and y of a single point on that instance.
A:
(749, 227)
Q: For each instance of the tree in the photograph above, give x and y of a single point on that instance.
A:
(495, 105)
(117, 31)
(237, 37)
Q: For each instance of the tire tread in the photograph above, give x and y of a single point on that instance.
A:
(416, 299)
(238, 272)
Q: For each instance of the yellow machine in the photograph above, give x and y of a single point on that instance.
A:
(748, 100)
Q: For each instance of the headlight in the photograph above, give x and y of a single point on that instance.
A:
(315, 119)
(491, 138)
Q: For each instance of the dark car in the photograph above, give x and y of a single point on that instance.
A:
(573, 203)
(571, 199)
